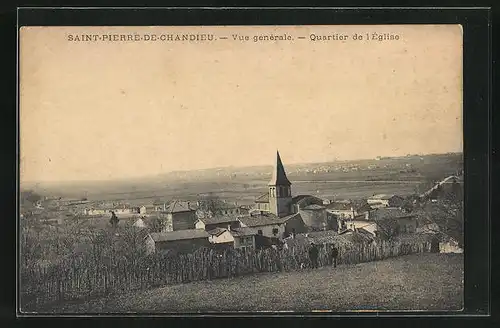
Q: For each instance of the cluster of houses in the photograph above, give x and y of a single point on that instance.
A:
(120, 211)
(277, 216)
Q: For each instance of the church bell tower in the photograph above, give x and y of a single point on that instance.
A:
(280, 190)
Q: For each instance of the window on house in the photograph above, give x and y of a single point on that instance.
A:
(259, 232)
(275, 231)
(247, 241)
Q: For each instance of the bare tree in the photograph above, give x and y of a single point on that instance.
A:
(155, 224)
(444, 216)
(211, 204)
(388, 228)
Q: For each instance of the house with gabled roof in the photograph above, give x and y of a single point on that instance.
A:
(272, 226)
(220, 236)
(220, 221)
(266, 224)
(244, 237)
(178, 215)
(180, 241)
(349, 210)
(383, 200)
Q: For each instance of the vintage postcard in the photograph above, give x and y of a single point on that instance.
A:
(240, 169)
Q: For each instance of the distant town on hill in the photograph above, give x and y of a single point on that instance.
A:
(411, 167)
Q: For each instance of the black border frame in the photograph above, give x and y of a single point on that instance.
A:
(476, 115)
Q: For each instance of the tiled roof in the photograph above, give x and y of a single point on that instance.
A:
(179, 206)
(382, 197)
(314, 207)
(260, 220)
(344, 206)
(224, 205)
(216, 231)
(288, 217)
(179, 235)
(301, 199)
(264, 198)
(364, 207)
(389, 213)
(219, 219)
(240, 232)
(339, 206)
(364, 231)
(319, 237)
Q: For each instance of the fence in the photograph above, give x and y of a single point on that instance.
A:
(84, 276)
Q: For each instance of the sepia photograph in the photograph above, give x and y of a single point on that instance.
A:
(208, 169)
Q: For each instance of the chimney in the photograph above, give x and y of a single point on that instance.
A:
(229, 227)
(164, 206)
(367, 215)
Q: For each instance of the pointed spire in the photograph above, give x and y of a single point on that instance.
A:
(279, 175)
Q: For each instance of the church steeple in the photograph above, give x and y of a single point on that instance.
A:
(279, 176)
(280, 193)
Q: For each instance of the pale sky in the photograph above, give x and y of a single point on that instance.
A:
(108, 110)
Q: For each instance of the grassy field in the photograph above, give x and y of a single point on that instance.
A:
(414, 282)
(244, 184)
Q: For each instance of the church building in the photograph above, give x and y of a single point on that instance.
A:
(280, 193)
(278, 201)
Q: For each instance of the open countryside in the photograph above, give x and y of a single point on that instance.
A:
(92, 244)
(345, 179)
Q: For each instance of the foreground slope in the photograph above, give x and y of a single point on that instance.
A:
(414, 282)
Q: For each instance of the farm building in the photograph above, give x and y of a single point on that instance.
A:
(394, 220)
(383, 200)
(315, 216)
(293, 224)
(346, 210)
(240, 237)
(95, 211)
(119, 211)
(368, 226)
(265, 224)
(179, 215)
(217, 222)
(180, 241)
(302, 201)
(229, 209)
(244, 237)
(317, 237)
(220, 236)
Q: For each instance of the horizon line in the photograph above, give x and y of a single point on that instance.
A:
(223, 167)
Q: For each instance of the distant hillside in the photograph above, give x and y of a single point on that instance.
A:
(414, 167)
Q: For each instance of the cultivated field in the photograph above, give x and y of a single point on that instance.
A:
(348, 179)
(414, 282)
